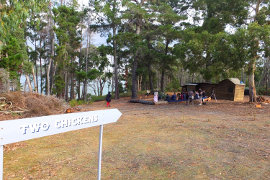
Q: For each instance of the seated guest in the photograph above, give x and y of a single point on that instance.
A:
(185, 96)
(200, 91)
(182, 96)
(167, 98)
(197, 96)
(204, 98)
(203, 94)
(178, 96)
(190, 97)
(173, 98)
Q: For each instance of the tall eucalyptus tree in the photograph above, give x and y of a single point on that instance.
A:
(136, 15)
(107, 21)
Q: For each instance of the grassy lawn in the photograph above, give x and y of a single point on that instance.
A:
(221, 140)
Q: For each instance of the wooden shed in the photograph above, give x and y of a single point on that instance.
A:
(230, 89)
(207, 87)
(189, 87)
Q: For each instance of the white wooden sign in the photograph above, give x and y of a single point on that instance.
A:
(12, 131)
(24, 129)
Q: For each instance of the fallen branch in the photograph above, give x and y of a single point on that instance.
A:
(11, 112)
(142, 101)
(4, 104)
(22, 109)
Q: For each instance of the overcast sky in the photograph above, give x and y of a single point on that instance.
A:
(81, 2)
(96, 39)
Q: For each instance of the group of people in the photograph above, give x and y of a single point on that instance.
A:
(187, 96)
(196, 95)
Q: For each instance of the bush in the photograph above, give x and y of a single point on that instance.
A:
(262, 91)
(103, 98)
(128, 94)
(161, 95)
(75, 102)
(173, 86)
(98, 98)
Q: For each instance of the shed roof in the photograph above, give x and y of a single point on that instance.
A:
(236, 81)
(191, 84)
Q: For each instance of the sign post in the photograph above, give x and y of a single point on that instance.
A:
(29, 128)
(1, 161)
(100, 152)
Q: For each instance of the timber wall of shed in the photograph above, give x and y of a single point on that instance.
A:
(239, 92)
(225, 90)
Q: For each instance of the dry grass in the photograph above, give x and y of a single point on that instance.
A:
(221, 140)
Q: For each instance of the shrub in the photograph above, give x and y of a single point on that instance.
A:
(75, 102)
(128, 94)
(98, 98)
(173, 86)
(262, 91)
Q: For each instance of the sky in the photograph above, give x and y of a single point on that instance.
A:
(95, 39)
(83, 2)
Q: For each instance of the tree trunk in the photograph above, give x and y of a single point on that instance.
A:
(46, 69)
(40, 70)
(181, 76)
(29, 83)
(24, 87)
(150, 78)
(80, 65)
(98, 87)
(134, 90)
(112, 88)
(115, 57)
(252, 88)
(149, 57)
(116, 85)
(252, 65)
(266, 84)
(162, 80)
(34, 79)
(126, 77)
(66, 86)
(86, 68)
(79, 89)
(66, 79)
(267, 75)
(101, 85)
(52, 75)
(163, 69)
(52, 50)
(48, 76)
(134, 78)
(139, 83)
(72, 84)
